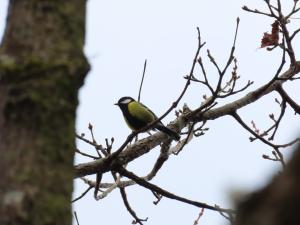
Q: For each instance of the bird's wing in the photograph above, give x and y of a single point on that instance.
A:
(155, 117)
(141, 112)
(159, 123)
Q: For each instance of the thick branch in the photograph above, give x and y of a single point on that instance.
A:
(145, 145)
(249, 98)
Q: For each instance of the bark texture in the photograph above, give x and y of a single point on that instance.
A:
(276, 204)
(42, 66)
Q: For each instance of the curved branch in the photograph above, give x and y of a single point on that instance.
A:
(167, 194)
(289, 100)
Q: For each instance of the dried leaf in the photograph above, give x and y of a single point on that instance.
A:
(273, 38)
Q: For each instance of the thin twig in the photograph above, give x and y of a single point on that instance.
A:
(256, 11)
(275, 147)
(129, 209)
(218, 88)
(199, 216)
(294, 34)
(283, 107)
(227, 215)
(287, 98)
(98, 181)
(82, 195)
(85, 154)
(142, 81)
(126, 202)
(76, 218)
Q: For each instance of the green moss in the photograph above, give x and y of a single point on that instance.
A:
(6, 63)
(49, 208)
(39, 81)
(47, 98)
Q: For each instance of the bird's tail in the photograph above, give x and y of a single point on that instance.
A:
(168, 131)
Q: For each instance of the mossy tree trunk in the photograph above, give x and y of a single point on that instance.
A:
(42, 66)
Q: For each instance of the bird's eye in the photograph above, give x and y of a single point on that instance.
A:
(125, 101)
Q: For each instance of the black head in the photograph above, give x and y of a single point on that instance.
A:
(124, 101)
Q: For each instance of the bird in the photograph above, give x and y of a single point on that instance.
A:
(138, 116)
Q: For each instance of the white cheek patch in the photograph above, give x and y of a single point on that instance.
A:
(126, 101)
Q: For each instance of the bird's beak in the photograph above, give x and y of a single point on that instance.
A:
(116, 104)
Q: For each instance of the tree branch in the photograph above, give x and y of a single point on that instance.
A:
(143, 146)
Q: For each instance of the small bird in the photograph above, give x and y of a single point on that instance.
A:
(138, 116)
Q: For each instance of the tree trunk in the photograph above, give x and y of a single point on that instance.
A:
(42, 66)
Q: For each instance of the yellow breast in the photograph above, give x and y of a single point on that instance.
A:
(140, 112)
